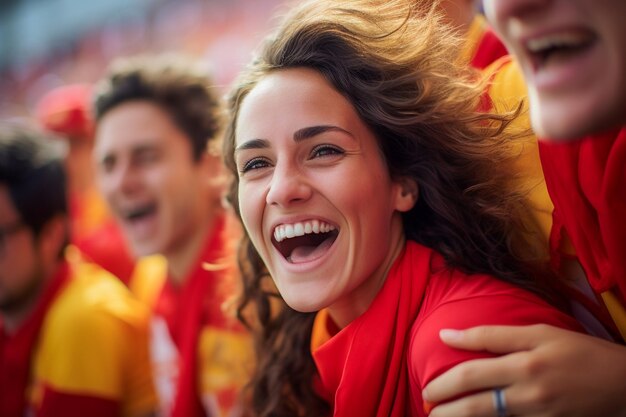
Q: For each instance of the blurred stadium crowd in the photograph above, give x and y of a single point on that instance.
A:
(221, 33)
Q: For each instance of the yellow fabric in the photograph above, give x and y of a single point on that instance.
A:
(92, 212)
(73, 255)
(507, 91)
(222, 356)
(617, 311)
(94, 342)
(320, 333)
(148, 278)
(473, 37)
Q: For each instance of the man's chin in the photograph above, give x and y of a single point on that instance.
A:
(556, 126)
(556, 121)
(574, 131)
(141, 249)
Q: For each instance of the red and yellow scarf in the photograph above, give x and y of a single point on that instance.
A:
(189, 308)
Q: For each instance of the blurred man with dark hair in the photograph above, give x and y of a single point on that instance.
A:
(73, 341)
(159, 168)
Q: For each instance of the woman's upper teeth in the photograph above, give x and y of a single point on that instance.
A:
(286, 231)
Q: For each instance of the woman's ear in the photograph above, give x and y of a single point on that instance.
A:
(407, 194)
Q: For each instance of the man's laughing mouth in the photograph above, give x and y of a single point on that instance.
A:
(138, 213)
(558, 47)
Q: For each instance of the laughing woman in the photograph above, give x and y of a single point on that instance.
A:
(373, 198)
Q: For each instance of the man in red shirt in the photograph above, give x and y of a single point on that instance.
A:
(159, 168)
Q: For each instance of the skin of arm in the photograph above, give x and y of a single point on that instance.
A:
(545, 371)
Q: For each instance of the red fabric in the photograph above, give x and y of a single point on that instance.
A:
(58, 404)
(66, 110)
(379, 363)
(363, 369)
(455, 301)
(489, 49)
(107, 248)
(16, 350)
(586, 181)
(187, 310)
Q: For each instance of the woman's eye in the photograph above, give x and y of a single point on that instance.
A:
(325, 150)
(255, 163)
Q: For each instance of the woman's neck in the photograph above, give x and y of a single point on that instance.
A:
(355, 304)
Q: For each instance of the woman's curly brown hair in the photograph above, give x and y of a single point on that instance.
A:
(397, 64)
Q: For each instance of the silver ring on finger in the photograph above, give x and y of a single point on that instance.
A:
(499, 403)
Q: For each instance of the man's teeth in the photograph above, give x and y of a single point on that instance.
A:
(560, 40)
(132, 214)
(287, 231)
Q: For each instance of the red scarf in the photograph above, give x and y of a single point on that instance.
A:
(587, 183)
(16, 350)
(189, 308)
(489, 49)
(363, 368)
(106, 247)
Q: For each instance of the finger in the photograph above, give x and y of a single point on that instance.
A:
(496, 339)
(474, 375)
(516, 402)
(477, 405)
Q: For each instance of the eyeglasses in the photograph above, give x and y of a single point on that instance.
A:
(8, 230)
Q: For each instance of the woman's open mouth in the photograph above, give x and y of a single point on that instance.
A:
(304, 241)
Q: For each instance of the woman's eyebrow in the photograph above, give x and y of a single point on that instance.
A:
(253, 144)
(298, 136)
(309, 132)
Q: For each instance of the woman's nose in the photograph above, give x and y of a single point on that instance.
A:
(288, 186)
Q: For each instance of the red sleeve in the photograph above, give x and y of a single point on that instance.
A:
(430, 356)
(59, 404)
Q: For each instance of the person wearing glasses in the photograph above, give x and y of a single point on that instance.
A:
(73, 340)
